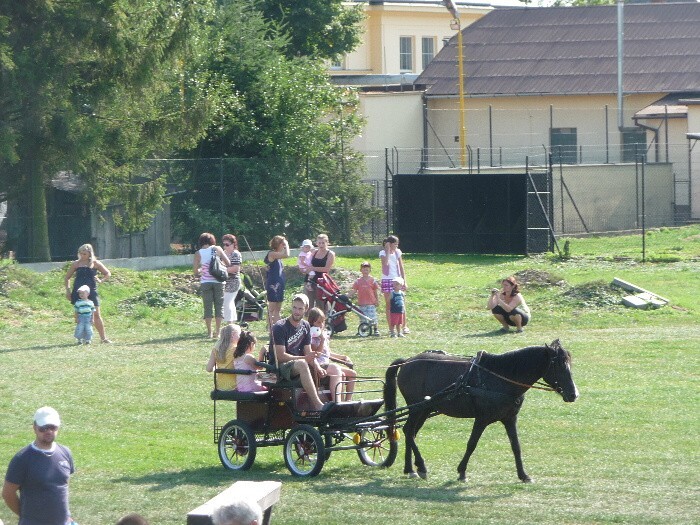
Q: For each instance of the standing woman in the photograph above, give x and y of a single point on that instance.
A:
(233, 283)
(392, 267)
(508, 305)
(322, 261)
(275, 280)
(211, 290)
(85, 270)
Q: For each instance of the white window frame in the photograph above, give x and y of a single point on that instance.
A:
(406, 58)
(423, 54)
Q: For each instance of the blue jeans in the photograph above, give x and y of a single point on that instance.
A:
(83, 330)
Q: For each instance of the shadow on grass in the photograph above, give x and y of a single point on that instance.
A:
(205, 477)
(36, 347)
(173, 339)
(449, 492)
(490, 333)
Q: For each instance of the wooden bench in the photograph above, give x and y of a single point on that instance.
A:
(265, 493)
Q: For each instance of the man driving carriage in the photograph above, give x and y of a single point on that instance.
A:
(291, 341)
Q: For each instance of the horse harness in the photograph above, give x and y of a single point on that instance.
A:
(461, 385)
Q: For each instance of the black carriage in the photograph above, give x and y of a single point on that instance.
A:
(281, 416)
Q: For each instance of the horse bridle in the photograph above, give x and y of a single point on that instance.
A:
(539, 385)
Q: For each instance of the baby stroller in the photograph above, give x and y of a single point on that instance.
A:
(337, 305)
(250, 304)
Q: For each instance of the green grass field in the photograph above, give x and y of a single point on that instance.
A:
(138, 418)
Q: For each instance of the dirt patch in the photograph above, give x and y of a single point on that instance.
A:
(538, 278)
(596, 294)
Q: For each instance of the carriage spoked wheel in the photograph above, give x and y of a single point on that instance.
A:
(304, 452)
(380, 450)
(364, 329)
(237, 447)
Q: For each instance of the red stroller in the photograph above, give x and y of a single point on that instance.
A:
(337, 305)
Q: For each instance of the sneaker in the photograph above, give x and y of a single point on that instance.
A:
(406, 330)
(78, 341)
(393, 334)
(377, 333)
(520, 330)
(106, 341)
(87, 342)
(400, 335)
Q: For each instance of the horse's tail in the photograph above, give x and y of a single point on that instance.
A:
(390, 389)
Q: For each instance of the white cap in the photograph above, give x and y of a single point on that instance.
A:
(307, 242)
(47, 416)
(84, 288)
(397, 280)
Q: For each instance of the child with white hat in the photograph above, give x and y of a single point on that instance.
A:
(84, 309)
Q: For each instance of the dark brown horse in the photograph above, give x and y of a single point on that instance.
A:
(488, 388)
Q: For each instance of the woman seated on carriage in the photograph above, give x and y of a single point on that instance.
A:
(233, 350)
(340, 376)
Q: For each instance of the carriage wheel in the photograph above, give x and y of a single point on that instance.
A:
(364, 329)
(380, 450)
(237, 447)
(304, 452)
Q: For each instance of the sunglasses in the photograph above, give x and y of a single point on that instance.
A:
(47, 428)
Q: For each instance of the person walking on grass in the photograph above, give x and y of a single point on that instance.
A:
(85, 270)
(36, 483)
(84, 309)
(211, 290)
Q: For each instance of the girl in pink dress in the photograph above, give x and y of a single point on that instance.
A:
(243, 360)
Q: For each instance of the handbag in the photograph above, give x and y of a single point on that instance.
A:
(216, 268)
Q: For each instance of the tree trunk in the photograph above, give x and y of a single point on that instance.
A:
(38, 231)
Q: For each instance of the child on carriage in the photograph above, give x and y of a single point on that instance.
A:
(243, 360)
(341, 376)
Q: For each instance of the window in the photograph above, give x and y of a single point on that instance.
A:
(634, 142)
(338, 63)
(563, 142)
(406, 53)
(428, 50)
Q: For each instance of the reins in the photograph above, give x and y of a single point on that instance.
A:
(537, 384)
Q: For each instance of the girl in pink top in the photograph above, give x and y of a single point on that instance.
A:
(243, 360)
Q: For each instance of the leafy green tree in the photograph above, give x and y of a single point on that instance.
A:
(316, 28)
(289, 133)
(89, 86)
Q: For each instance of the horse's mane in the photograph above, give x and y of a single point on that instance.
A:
(514, 360)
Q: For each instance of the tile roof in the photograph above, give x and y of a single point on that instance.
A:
(573, 50)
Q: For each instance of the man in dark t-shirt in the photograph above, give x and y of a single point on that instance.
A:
(40, 473)
(292, 347)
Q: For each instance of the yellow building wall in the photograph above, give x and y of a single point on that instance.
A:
(397, 121)
(519, 127)
(385, 24)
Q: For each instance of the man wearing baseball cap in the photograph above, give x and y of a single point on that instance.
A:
(36, 483)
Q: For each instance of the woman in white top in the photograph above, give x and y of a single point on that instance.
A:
(392, 266)
(211, 290)
(508, 305)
